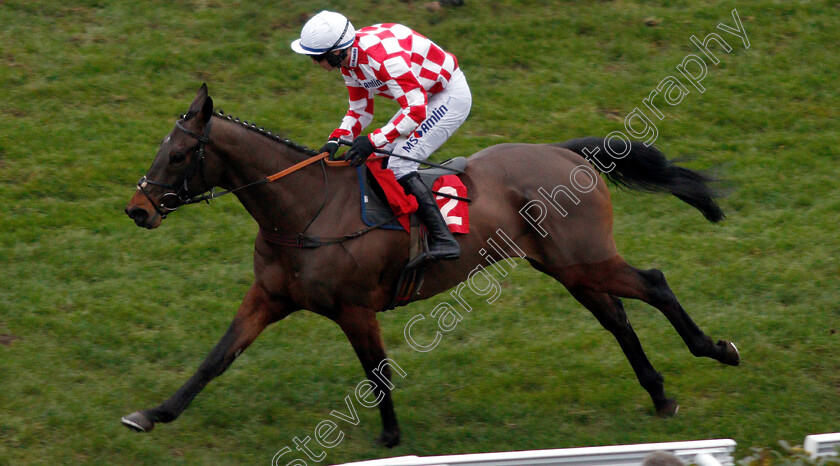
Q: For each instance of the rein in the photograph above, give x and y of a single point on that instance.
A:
(199, 160)
(300, 240)
(268, 179)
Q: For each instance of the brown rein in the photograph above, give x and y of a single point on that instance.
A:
(300, 240)
(309, 161)
(212, 195)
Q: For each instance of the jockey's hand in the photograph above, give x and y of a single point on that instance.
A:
(362, 149)
(331, 146)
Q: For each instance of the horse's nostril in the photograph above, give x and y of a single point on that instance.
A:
(137, 214)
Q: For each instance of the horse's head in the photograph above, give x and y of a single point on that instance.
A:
(178, 172)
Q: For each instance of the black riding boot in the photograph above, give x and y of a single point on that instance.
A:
(442, 245)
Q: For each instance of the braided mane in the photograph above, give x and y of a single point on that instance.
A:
(259, 129)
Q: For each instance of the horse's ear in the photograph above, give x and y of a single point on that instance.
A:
(207, 110)
(200, 101)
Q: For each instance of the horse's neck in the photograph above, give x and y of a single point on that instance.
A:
(285, 205)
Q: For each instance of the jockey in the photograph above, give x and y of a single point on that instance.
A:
(395, 62)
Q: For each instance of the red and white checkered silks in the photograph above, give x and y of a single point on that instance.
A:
(395, 62)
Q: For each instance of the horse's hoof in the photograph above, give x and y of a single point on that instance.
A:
(390, 439)
(668, 409)
(137, 422)
(731, 355)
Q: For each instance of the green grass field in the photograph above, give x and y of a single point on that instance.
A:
(99, 318)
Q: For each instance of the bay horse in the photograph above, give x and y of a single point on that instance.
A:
(348, 279)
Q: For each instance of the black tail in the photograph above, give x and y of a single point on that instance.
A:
(645, 168)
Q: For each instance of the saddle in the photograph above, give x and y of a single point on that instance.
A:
(377, 211)
(383, 211)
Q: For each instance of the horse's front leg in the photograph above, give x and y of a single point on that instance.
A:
(256, 312)
(362, 330)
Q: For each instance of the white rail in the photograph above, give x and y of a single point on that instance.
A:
(701, 452)
(822, 444)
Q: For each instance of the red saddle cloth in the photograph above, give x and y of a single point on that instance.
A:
(454, 211)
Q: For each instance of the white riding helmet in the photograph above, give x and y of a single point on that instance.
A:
(325, 32)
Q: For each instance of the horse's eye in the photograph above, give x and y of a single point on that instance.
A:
(176, 157)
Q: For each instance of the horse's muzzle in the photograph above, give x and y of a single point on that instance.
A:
(142, 217)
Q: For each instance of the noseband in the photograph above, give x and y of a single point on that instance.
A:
(179, 196)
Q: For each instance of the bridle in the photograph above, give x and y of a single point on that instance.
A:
(179, 196)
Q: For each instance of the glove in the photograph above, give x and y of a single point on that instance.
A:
(331, 146)
(360, 151)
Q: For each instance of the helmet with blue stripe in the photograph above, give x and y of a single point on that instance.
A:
(325, 32)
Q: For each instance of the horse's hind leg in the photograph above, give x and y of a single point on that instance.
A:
(610, 313)
(618, 278)
(257, 311)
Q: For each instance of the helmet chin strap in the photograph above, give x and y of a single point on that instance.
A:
(335, 60)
